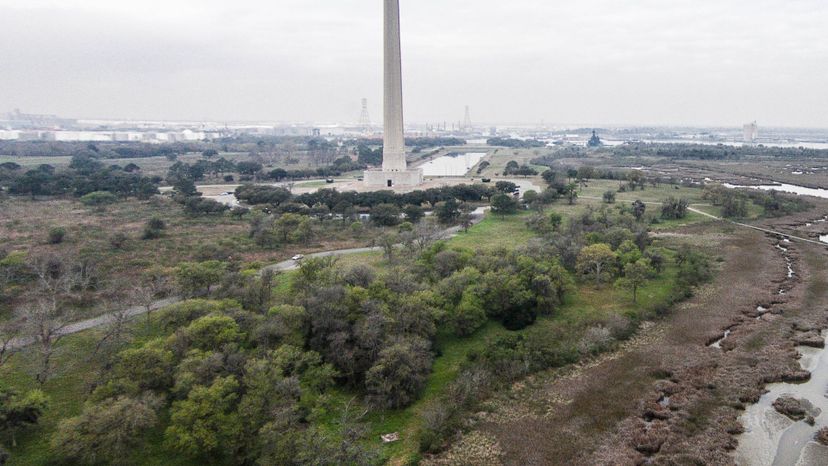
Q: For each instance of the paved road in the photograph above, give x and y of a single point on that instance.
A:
(284, 266)
(97, 321)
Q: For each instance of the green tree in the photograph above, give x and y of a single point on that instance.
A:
(149, 366)
(399, 374)
(206, 424)
(386, 215)
(288, 227)
(468, 315)
(504, 204)
(194, 277)
(638, 209)
(106, 432)
(413, 213)
(571, 192)
(447, 212)
(213, 331)
(673, 208)
(596, 260)
(18, 411)
(635, 275)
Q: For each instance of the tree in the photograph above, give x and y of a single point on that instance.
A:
(43, 322)
(638, 209)
(635, 275)
(413, 213)
(571, 192)
(106, 432)
(506, 187)
(10, 330)
(213, 331)
(206, 424)
(387, 215)
(673, 209)
(596, 260)
(194, 277)
(734, 205)
(447, 212)
(150, 366)
(290, 228)
(16, 411)
(468, 315)
(399, 374)
(248, 168)
(504, 204)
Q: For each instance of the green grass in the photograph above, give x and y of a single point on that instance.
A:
(495, 231)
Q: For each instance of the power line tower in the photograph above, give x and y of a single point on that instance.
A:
(467, 124)
(365, 117)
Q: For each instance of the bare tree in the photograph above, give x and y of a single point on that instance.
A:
(116, 333)
(44, 320)
(10, 331)
(46, 315)
(425, 234)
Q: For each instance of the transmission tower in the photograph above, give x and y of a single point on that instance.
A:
(467, 124)
(365, 118)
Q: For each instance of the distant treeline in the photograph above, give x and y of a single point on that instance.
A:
(83, 176)
(709, 152)
(250, 170)
(336, 200)
(516, 143)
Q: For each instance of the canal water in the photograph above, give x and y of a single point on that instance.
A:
(452, 165)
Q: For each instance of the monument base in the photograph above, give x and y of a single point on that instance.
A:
(389, 179)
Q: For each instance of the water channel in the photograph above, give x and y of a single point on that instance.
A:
(452, 165)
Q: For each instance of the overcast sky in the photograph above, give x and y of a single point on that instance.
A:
(695, 62)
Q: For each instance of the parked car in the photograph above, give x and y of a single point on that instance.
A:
(298, 257)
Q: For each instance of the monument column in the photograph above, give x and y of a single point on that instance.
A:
(395, 170)
(393, 156)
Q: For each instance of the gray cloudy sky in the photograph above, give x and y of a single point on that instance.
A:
(692, 62)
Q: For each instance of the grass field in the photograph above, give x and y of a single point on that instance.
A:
(499, 157)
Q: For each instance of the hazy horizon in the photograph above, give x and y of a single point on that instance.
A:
(623, 62)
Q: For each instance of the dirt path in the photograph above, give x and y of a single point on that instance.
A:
(667, 397)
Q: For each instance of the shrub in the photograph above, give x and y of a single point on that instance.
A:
(595, 340)
(56, 235)
(99, 199)
(154, 228)
(118, 240)
(609, 197)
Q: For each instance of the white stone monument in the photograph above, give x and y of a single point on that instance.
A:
(395, 171)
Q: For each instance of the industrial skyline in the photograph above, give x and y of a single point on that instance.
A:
(621, 62)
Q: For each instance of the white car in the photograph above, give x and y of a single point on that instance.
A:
(298, 257)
